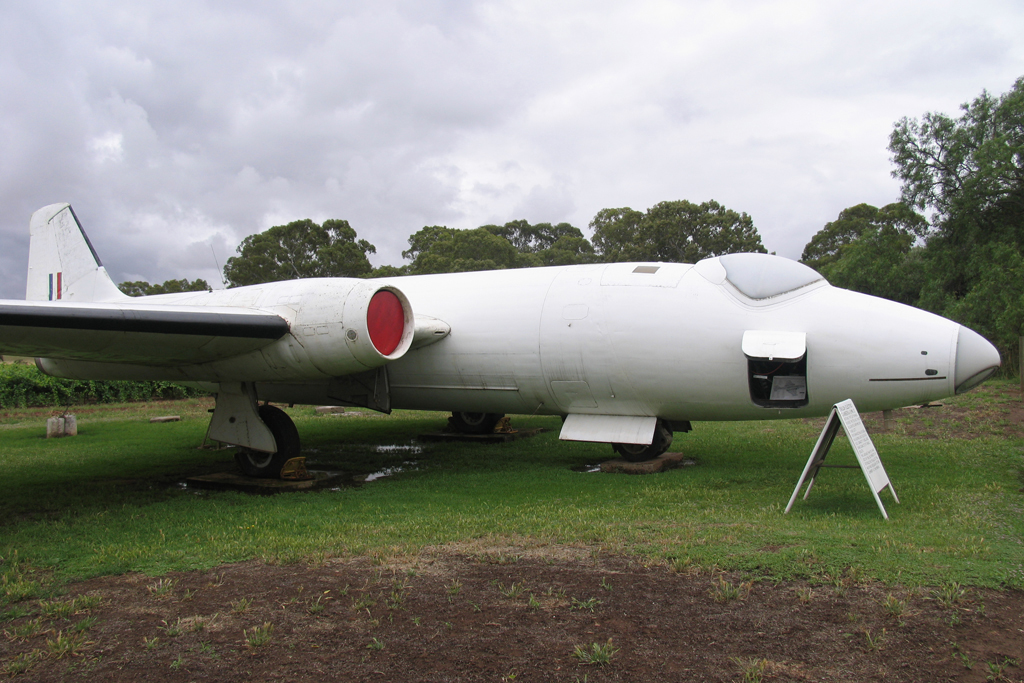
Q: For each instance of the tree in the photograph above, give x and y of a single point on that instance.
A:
(970, 172)
(568, 250)
(300, 249)
(517, 244)
(533, 239)
(389, 271)
(143, 288)
(872, 250)
(971, 165)
(994, 306)
(678, 231)
(613, 230)
(439, 249)
(554, 245)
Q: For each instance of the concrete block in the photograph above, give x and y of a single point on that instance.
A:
(165, 418)
(330, 410)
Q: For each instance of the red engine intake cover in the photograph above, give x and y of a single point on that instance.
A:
(385, 321)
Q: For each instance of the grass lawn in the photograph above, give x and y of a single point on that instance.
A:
(112, 499)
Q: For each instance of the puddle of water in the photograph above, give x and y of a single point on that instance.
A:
(411, 450)
(407, 466)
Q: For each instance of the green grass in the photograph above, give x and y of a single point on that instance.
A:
(110, 501)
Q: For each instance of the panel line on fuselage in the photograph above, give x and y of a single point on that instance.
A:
(453, 387)
(906, 379)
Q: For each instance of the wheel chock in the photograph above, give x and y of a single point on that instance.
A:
(295, 470)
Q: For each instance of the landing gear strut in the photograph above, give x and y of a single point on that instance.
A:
(474, 423)
(634, 452)
(264, 465)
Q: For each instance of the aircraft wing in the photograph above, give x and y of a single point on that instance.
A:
(137, 333)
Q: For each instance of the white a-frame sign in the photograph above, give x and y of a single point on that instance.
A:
(846, 414)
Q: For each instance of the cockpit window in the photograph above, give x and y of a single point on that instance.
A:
(761, 276)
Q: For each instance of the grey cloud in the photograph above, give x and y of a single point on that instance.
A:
(174, 127)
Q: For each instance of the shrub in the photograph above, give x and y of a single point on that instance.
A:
(24, 386)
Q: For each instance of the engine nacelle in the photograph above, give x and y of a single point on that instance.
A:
(375, 326)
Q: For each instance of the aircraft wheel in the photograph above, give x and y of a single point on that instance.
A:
(268, 465)
(634, 452)
(474, 423)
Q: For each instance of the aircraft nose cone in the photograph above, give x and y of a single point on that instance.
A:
(976, 360)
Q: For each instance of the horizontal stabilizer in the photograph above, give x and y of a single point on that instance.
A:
(133, 332)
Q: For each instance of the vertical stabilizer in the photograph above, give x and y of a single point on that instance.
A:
(62, 265)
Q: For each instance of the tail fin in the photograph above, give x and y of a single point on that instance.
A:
(62, 265)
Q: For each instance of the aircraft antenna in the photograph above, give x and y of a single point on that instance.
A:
(219, 271)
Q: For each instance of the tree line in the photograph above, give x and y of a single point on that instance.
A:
(953, 244)
(669, 231)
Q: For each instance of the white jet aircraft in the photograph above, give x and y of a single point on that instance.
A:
(626, 353)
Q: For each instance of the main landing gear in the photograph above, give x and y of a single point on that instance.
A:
(266, 437)
(474, 423)
(633, 452)
(265, 465)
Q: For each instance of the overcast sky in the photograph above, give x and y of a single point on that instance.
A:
(176, 129)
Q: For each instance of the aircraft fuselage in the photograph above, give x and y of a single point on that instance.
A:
(612, 339)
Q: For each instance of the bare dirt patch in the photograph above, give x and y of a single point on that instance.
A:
(499, 616)
(989, 410)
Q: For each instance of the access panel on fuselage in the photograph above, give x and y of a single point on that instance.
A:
(576, 360)
(593, 323)
(490, 362)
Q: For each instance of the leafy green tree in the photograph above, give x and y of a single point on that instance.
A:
(678, 231)
(389, 271)
(994, 305)
(568, 250)
(517, 244)
(970, 165)
(554, 245)
(872, 250)
(969, 171)
(533, 239)
(853, 222)
(613, 230)
(439, 249)
(300, 249)
(143, 288)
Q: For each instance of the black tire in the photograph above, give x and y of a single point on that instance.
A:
(632, 452)
(268, 465)
(474, 423)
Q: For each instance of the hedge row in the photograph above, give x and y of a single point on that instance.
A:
(24, 386)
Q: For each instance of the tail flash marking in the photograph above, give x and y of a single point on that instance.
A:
(60, 287)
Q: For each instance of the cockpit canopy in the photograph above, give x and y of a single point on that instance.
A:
(758, 276)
